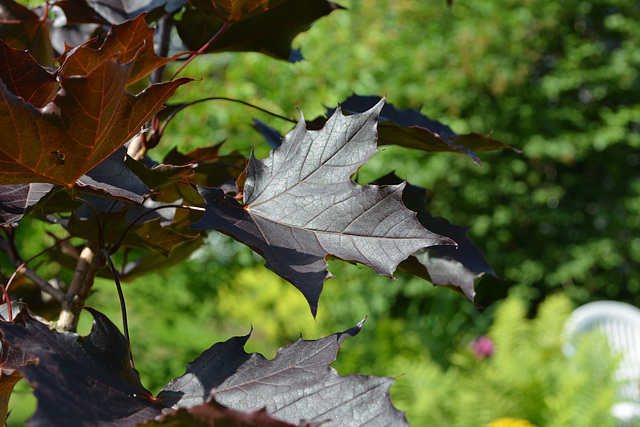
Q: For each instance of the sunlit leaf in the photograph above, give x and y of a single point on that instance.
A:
(300, 205)
(296, 385)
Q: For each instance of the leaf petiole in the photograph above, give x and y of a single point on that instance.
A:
(125, 324)
(115, 247)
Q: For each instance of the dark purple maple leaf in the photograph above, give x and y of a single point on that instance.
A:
(80, 381)
(15, 199)
(11, 358)
(214, 414)
(297, 386)
(300, 205)
(412, 129)
(114, 179)
(22, 28)
(89, 381)
(269, 30)
(453, 267)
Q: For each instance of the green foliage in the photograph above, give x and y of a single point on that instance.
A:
(558, 80)
(527, 377)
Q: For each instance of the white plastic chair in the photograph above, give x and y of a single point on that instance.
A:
(620, 323)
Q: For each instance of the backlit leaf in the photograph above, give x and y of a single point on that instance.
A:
(25, 78)
(22, 28)
(235, 10)
(86, 121)
(131, 41)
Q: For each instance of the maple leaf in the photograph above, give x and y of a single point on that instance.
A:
(80, 380)
(212, 413)
(235, 10)
(412, 129)
(452, 267)
(300, 205)
(90, 118)
(89, 381)
(22, 28)
(24, 78)
(296, 385)
(131, 41)
(16, 199)
(270, 32)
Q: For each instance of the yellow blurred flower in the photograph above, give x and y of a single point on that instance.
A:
(510, 422)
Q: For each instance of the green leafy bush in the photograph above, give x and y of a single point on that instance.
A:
(559, 80)
(525, 377)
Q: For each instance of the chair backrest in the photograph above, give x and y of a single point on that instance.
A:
(620, 323)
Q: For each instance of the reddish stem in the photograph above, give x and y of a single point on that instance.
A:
(115, 247)
(200, 51)
(24, 263)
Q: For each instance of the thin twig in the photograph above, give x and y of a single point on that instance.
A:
(222, 98)
(95, 214)
(115, 247)
(123, 307)
(21, 266)
(200, 51)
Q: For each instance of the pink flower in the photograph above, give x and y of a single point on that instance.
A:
(482, 347)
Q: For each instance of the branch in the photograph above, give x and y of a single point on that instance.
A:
(90, 261)
(21, 268)
(165, 25)
(116, 247)
(200, 51)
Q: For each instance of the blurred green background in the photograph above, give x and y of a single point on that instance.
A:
(558, 80)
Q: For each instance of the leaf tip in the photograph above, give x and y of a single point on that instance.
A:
(352, 332)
